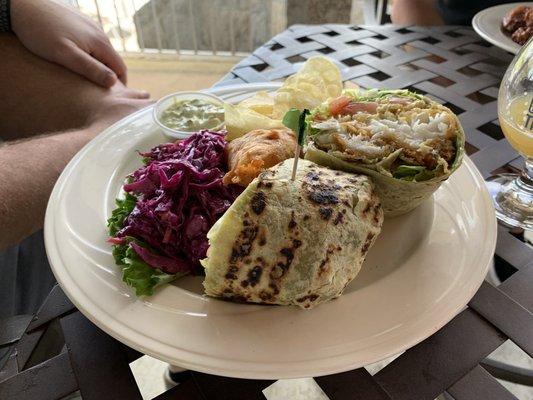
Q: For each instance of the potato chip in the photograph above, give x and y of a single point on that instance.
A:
(261, 102)
(317, 80)
(241, 120)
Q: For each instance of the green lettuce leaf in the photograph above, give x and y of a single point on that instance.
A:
(136, 273)
(376, 94)
(413, 173)
(124, 208)
(322, 111)
(296, 121)
(291, 119)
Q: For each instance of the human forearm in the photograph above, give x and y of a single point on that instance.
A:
(415, 12)
(39, 96)
(29, 168)
(61, 34)
(28, 172)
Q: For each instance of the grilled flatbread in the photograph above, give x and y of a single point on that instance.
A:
(293, 242)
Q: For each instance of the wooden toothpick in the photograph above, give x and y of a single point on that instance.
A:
(296, 158)
(300, 141)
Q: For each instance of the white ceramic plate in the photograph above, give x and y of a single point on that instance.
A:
(488, 24)
(421, 272)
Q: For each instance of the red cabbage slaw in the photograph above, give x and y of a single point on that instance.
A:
(174, 199)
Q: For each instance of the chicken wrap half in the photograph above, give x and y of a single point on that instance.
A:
(408, 143)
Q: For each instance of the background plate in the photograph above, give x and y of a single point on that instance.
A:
(488, 24)
(422, 271)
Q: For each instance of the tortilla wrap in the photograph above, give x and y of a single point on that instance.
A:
(293, 242)
(398, 196)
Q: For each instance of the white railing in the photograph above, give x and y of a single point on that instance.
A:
(195, 27)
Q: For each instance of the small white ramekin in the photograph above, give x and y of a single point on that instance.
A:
(164, 102)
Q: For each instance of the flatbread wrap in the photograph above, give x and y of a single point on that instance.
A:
(293, 242)
(407, 143)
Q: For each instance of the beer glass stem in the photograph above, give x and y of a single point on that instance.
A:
(526, 176)
(513, 196)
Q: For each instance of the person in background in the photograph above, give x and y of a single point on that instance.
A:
(438, 12)
(62, 83)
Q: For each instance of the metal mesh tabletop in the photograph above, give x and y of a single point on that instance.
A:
(450, 64)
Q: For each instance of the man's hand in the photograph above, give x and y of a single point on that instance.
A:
(116, 104)
(60, 34)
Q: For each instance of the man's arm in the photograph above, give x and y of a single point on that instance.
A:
(38, 96)
(30, 168)
(28, 171)
(61, 34)
(415, 12)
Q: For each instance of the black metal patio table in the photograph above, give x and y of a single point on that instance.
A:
(450, 64)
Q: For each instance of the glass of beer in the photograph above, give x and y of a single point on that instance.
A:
(513, 193)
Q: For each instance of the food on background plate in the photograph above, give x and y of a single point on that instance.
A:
(317, 80)
(159, 229)
(256, 151)
(293, 242)
(518, 22)
(407, 143)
